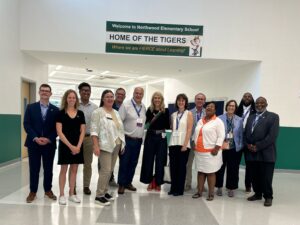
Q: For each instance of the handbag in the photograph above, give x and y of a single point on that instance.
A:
(167, 174)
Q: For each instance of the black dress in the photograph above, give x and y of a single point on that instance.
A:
(71, 130)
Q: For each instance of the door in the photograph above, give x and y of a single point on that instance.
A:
(25, 99)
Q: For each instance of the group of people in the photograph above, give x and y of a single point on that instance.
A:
(116, 129)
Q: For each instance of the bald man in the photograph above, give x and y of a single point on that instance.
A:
(260, 137)
(133, 115)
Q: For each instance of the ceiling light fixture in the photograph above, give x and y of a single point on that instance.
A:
(126, 81)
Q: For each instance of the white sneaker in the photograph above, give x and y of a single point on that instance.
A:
(62, 200)
(73, 198)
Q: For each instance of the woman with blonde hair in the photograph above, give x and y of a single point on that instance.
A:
(155, 145)
(70, 127)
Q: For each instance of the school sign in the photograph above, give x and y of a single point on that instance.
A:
(154, 39)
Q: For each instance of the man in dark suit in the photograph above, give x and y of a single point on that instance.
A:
(39, 124)
(260, 136)
(245, 109)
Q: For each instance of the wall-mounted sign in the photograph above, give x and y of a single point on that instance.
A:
(154, 39)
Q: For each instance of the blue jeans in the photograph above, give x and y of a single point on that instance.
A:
(129, 160)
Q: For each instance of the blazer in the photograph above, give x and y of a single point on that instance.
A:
(237, 130)
(264, 136)
(35, 126)
(194, 112)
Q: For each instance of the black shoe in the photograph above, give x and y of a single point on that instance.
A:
(268, 202)
(102, 201)
(109, 197)
(254, 198)
(121, 190)
(130, 187)
(177, 194)
(87, 191)
(170, 193)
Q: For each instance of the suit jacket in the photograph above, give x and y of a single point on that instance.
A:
(263, 136)
(237, 130)
(194, 112)
(35, 126)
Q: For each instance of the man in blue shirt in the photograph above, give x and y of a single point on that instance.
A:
(39, 124)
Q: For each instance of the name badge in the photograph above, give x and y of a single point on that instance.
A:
(139, 122)
(108, 116)
(175, 133)
(163, 135)
(229, 135)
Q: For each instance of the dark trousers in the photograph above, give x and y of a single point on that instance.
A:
(178, 161)
(262, 178)
(35, 156)
(155, 149)
(248, 173)
(231, 161)
(128, 161)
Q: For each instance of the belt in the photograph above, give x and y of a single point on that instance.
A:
(87, 135)
(155, 131)
(133, 138)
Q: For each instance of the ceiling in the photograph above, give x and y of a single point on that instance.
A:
(118, 69)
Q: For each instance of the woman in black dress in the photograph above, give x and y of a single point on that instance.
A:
(155, 146)
(70, 126)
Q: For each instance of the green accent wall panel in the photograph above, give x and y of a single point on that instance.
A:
(288, 151)
(10, 137)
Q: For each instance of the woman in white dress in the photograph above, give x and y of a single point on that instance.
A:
(209, 136)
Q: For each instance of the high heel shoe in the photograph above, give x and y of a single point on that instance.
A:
(150, 187)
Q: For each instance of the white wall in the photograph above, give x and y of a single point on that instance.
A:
(228, 83)
(13, 63)
(258, 30)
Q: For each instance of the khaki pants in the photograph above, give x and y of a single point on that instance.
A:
(107, 161)
(188, 179)
(88, 159)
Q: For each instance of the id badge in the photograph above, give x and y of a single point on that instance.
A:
(108, 116)
(229, 135)
(139, 122)
(175, 133)
(163, 135)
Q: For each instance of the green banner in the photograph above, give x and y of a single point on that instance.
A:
(154, 39)
(147, 49)
(154, 28)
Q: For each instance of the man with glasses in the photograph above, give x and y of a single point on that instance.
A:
(39, 124)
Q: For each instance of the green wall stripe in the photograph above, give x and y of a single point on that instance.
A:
(288, 151)
(10, 137)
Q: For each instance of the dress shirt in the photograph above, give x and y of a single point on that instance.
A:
(87, 109)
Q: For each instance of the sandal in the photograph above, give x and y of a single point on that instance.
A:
(210, 197)
(197, 195)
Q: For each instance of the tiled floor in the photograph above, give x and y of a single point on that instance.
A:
(145, 207)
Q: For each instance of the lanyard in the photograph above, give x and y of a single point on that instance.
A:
(198, 115)
(178, 119)
(257, 118)
(137, 111)
(230, 125)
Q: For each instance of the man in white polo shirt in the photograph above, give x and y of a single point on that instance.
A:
(133, 115)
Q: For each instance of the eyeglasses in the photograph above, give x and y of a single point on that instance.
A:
(46, 91)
